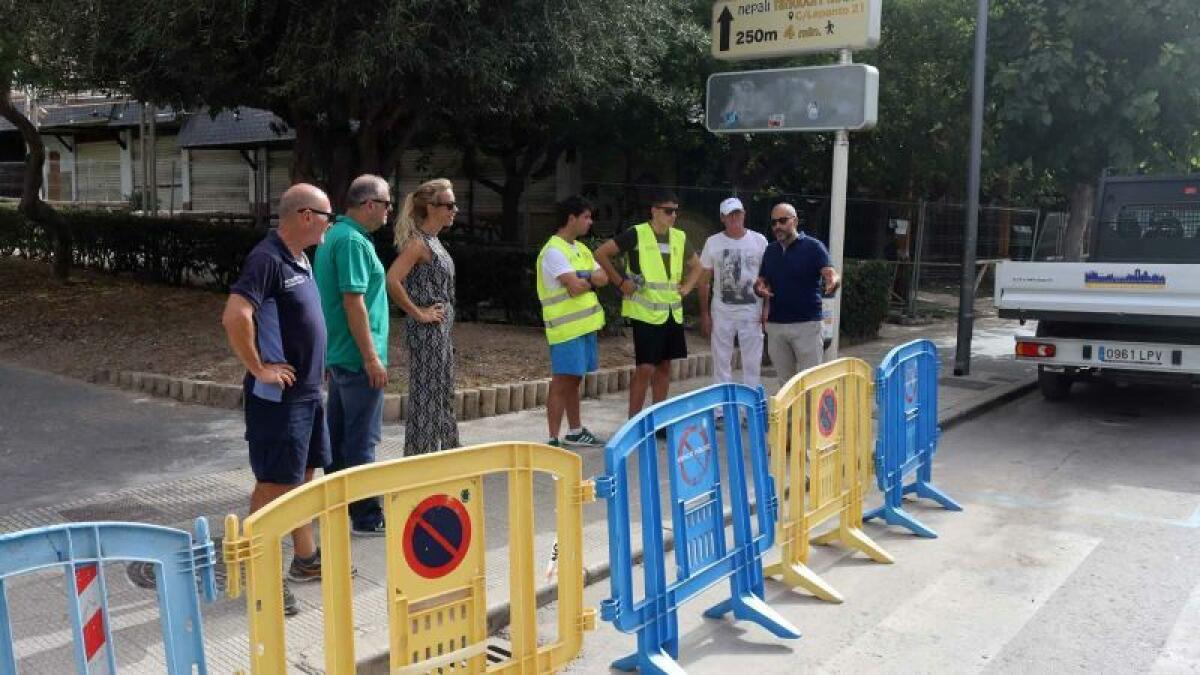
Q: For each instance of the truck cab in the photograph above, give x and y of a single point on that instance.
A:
(1131, 310)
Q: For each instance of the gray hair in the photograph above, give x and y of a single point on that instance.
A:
(365, 187)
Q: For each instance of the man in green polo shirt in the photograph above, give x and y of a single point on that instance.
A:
(353, 289)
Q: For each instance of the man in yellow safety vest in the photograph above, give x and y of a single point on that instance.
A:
(567, 279)
(655, 253)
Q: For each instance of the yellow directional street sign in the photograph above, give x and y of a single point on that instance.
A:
(768, 28)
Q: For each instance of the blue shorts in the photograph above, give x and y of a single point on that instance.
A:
(285, 438)
(576, 356)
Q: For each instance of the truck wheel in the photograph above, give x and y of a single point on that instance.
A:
(1054, 386)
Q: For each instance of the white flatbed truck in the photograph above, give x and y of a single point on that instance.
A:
(1131, 312)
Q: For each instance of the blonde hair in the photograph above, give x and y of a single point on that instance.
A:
(416, 208)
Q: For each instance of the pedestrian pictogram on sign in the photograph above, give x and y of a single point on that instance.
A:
(827, 412)
(694, 454)
(437, 536)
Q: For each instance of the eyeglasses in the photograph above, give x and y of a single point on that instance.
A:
(328, 214)
(452, 206)
(781, 220)
(386, 203)
(669, 210)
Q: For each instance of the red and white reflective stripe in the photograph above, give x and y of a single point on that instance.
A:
(91, 610)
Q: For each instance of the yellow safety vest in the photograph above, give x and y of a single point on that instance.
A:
(568, 317)
(658, 295)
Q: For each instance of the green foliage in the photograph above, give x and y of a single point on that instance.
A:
(865, 287)
(1078, 88)
(924, 61)
(166, 250)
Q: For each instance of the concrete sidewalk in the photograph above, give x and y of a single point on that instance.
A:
(43, 638)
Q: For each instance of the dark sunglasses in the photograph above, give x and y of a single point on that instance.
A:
(328, 214)
(781, 221)
(669, 210)
(453, 206)
(386, 204)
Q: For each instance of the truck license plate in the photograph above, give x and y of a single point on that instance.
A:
(1154, 357)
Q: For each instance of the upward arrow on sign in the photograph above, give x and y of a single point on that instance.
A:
(725, 19)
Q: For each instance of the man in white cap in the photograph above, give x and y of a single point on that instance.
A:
(734, 254)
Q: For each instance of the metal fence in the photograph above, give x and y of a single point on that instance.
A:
(923, 238)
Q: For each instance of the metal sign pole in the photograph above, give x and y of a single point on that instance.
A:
(966, 297)
(837, 213)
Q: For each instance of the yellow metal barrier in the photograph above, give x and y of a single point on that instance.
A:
(822, 459)
(437, 609)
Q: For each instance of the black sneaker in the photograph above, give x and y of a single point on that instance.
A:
(290, 606)
(377, 530)
(583, 439)
(304, 571)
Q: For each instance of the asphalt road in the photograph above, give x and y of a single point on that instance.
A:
(61, 439)
(1078, 551)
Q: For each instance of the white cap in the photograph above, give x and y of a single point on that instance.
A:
(730, 205)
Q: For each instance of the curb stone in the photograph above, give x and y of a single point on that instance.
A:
(488, 401)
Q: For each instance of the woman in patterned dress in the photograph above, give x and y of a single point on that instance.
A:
(421, 282)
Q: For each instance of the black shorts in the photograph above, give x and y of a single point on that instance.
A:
(285, 438)
(657, 343)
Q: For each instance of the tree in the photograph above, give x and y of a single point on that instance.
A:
(1077, 91)
(918, 149)
(359, 82)
(557, 73)
(30, 58)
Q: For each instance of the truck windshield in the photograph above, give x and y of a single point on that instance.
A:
(1150, 232)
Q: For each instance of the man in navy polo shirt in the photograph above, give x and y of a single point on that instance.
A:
(275, 326)
(793, 269)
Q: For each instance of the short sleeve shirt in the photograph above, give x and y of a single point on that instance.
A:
(555, 264)
(735, 264)
(794, 275)
(289, 325)
(347, 263)
(627, 244)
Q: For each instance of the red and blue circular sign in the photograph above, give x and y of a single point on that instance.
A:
(827, 412)
(693, 454)
(437, 536)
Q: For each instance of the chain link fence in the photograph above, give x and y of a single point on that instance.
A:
(924, 239)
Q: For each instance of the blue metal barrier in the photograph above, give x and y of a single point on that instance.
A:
(82, 549)
(702, 555)
(906, 394)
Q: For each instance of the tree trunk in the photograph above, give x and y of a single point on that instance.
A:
(32, 206)
(303, 161)
(510, 200)
(1082, 198)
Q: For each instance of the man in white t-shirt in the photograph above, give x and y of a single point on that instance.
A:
(733, 256)
(567, 279)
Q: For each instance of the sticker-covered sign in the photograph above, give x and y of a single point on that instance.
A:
(813, 98)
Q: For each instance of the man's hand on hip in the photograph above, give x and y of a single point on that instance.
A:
(280, 374)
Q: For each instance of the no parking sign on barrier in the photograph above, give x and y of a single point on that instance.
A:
(436, 571)
(906, 390)
(702, 555)
(821, 460)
